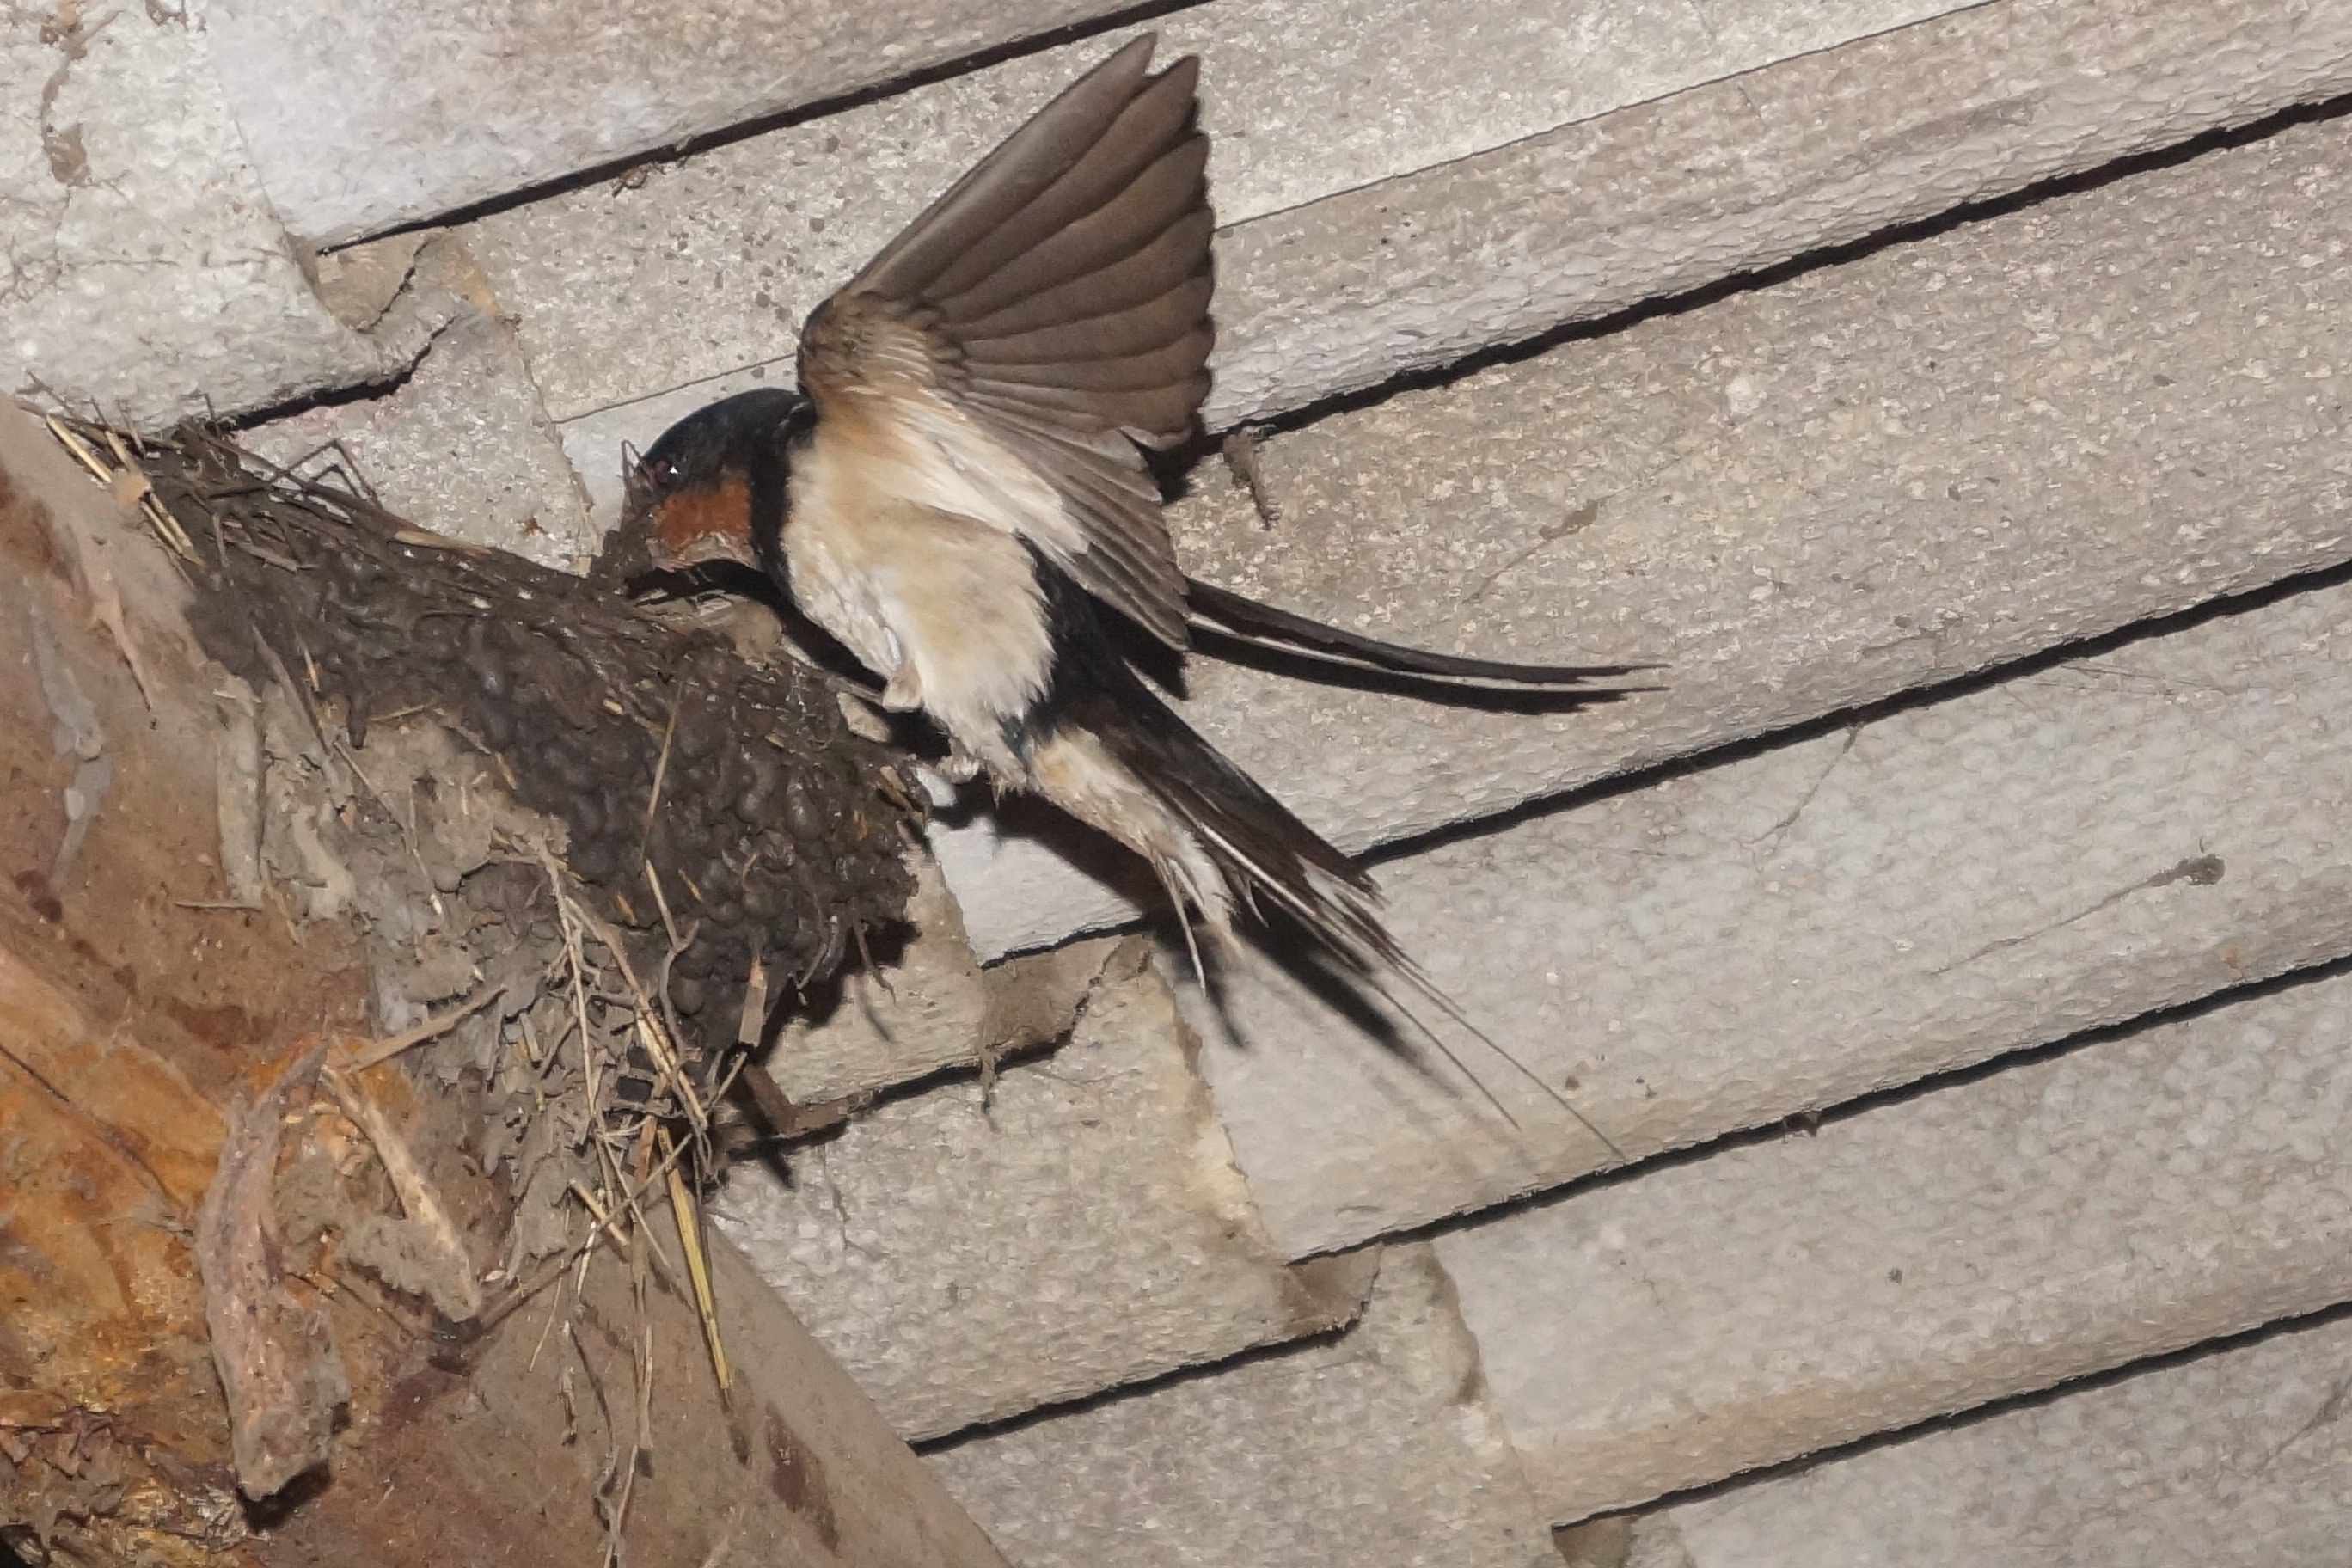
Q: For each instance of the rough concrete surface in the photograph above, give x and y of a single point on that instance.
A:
(377, 112)
(1778, 29)
(2240, 1459)
(1939, 456)
(710, 264)
(569, 91)
(1378, 1448)
(1790, 930)
(972, 1256)
(1414, 273)
(146, 274)
(2061, 1217)
(461, 446)
(1317, 298)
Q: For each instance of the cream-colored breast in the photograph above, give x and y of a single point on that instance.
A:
(943, 604)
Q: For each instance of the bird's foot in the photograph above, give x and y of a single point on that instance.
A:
(959, 766)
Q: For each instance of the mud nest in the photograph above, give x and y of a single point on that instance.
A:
(719, 813)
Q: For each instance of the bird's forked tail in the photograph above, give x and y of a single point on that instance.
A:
(1118, 758)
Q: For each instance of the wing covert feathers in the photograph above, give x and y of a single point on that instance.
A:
(1058, 298)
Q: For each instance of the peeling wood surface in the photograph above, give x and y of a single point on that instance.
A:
(485, 1457)
(106, 1405)
(278, 1366)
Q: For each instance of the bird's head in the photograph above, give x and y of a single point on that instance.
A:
(715, 479)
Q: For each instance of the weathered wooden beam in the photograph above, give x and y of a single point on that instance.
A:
(491, 1456)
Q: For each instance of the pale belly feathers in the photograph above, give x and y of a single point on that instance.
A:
(944, 606)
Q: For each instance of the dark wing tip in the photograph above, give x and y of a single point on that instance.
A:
(1130, 57)
(1004, 180)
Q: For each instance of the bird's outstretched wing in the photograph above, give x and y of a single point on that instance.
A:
(1013, 348)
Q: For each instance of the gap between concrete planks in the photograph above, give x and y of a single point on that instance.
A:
(705, 269)
(2125, 1198)
(1378, 1447)
(2231, 1458)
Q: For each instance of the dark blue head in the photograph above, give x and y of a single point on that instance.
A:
(712, 488)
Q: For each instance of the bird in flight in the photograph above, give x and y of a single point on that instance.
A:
(958, 493)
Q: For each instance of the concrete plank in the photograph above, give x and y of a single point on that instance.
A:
(1779, 29)
(1994, 1236)
(462, 445)
(1376, 1447)
(380, 112)
(384, 115)
(1570, 215)
(2109, 836)
(970, 1255)
(2239, 1458)
(728, 249)
(146, 275)
(1737, 177)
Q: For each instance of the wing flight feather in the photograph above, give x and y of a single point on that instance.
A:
(1057, 299)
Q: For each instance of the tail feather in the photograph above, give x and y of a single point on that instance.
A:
(1221, 610)
(1218, 840)
(1253, 842)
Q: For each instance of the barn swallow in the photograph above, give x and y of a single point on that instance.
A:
(958, 493)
